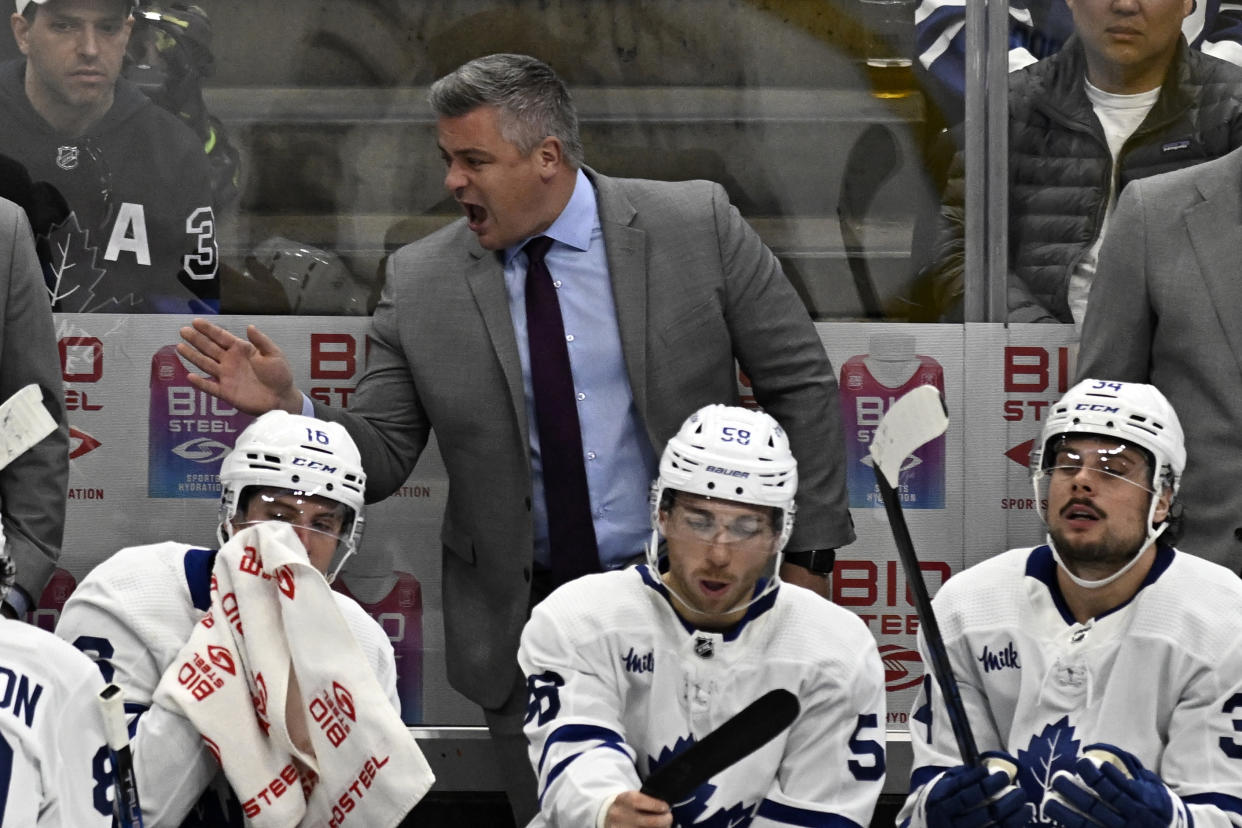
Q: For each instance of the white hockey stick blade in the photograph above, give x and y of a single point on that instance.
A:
(24, 421)
(917, 418)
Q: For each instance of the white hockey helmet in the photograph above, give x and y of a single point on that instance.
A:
(731, 453)
(302, 454)
(1133, 413)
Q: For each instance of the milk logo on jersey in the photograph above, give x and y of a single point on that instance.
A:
(67, 157)
(1005, 658)
(693, 810)
(635, 663)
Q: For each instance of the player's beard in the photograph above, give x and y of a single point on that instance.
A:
(1100, 557)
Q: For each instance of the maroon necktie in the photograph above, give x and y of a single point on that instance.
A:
(571, 534)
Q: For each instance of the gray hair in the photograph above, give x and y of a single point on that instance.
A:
(532, 101)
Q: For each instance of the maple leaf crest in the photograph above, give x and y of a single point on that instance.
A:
(686, 812)
(74, 278)
(1053, 749)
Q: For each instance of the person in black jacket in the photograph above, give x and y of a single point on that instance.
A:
(1124, 99)
(141, 234)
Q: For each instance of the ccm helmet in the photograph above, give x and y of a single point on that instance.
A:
(731, 453)
(1133, 413)
(302, 454)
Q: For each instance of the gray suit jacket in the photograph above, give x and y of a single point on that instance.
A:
(1166, 308)
(33, 486)
(694, 288)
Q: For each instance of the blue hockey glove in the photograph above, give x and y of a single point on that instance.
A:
(1110, 787)
(979, 797)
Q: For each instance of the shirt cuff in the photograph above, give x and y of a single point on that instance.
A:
(18, 600)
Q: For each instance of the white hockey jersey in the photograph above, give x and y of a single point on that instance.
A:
(132, 614)
(619, 684)
(1160, 677)
(54, 765)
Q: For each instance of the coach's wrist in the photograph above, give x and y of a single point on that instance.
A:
(819, 561)
(16, 603)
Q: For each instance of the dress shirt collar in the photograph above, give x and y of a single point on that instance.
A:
(574, 225)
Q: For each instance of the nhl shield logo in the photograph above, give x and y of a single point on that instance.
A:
(67, 158)
(703, 647)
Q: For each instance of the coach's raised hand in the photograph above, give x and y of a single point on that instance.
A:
(251, 374)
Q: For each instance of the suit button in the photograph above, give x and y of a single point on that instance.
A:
(526, 574)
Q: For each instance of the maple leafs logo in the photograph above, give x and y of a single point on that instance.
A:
(1053, 749)
(688, 811)
(73, 276)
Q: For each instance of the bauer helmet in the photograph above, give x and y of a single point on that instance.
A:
(735, 454)
(1132, 413)
(730, 453)
(302, 454)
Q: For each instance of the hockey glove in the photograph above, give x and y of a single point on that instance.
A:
(978, 797)
(1109, 787)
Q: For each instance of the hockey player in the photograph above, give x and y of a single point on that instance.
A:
(135, 610)
(141, 234)
(628, 668)
(54, 766)
(1105, 665)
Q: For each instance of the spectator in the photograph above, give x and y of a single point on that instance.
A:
(1125, 99)
(141, 237)
(168, 58)
(1038, 29)
(663, 291)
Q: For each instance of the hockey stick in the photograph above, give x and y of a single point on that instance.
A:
(911, 421)
(743, 734)
(125, 786)
(871, 161)
(24, 421)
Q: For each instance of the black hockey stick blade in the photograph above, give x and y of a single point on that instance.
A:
(915, 419)
(752, 728)
(871, 161)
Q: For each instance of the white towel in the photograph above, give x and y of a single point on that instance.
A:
(270, 610)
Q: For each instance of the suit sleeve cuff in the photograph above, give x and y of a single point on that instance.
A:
(819, 561)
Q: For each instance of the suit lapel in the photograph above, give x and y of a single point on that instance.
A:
(1215, 229)
(486, 280)
(626, 248)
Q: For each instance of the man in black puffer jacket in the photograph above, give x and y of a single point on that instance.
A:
(1124, 99)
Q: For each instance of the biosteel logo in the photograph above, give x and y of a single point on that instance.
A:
(903, 667)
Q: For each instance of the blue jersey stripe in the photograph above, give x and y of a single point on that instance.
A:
(790, 815)
(578, 733)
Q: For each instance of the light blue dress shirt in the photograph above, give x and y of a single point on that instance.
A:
(620, 463)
